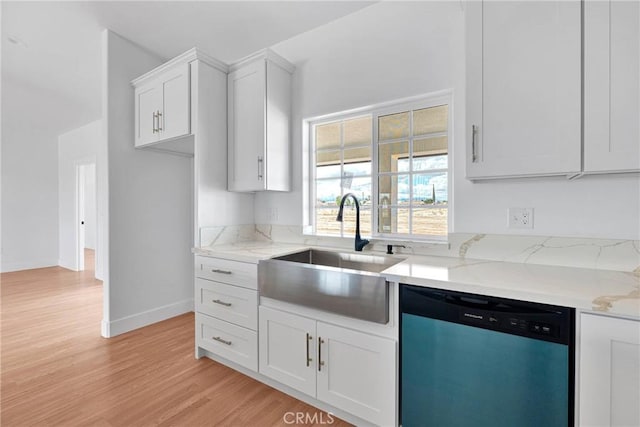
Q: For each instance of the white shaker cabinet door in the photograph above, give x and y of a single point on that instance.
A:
(148, 100)
(247, 120)
(609, 371)
(357, 373)
(523, 88)
(162, 107)
(175, 119)
(286, 344)
(611, 86)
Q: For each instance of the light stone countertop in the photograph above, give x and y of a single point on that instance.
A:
(251, 252)
(607, 292)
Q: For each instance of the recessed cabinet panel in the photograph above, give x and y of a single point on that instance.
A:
(612, 86)
(259, 99)
(358, 373)
(228, 271)
(247, 89)
(350, 370)
(175, 118)
(524, 90)
(163, 109)
(288, 349)
(609, 371)
(230, 303)
(232, 342)
(149, 102)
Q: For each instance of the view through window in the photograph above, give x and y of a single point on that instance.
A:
(397, 165)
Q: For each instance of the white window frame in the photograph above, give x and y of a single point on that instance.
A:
(406, 104)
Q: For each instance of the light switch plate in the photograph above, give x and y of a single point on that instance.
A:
(520, 218)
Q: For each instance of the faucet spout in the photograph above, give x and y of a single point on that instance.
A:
(360, 242)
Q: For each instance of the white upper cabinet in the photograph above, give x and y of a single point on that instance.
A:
(523, 88)
(162, 106)
(168, 99)
(259, 99)
(611, 86)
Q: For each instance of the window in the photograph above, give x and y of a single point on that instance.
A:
(395, 160)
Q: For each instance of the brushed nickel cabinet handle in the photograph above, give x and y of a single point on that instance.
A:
(320, 362)
(309, 338)
(154, 122)
(159, 115)
(226, 304)
(215, 270)
(474, 155)
(221, 340)
(260, 168)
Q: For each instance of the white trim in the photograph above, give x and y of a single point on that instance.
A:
(29, 265)
(145, 318)
(428, 100)
(388, 106)
(192, 54)
(264, 54)
(68, 264)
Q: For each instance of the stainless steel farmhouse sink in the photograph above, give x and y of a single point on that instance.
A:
(343, 283)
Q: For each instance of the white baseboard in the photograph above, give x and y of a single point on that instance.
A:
(138, 320)
(68, 264)
(28, 265)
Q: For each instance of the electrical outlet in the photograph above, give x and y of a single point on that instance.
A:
(520, 218)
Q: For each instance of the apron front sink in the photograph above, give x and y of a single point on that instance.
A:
(343, 283)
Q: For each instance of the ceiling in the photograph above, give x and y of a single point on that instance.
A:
(54, 47)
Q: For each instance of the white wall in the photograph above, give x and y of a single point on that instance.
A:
(29, 179)
(90, 207)
(79, 146)
(150, 275)
(214, 204)
(393, 50)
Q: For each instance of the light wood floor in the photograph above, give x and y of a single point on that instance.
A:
(57, 370)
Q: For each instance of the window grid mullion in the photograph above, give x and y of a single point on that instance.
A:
(410, 171)
(431, 135)
(341, 172)
(374, 173)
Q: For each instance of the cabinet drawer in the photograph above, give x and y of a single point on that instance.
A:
(226, 271)
(232, 342)
(230, 303)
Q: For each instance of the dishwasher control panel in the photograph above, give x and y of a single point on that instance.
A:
(507, 322)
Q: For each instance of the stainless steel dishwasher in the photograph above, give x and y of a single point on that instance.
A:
(470, 360)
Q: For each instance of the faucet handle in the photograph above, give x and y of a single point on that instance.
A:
(390, 248)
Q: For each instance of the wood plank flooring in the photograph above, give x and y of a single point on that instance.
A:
(57, 370)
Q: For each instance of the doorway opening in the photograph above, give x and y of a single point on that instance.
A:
(86, 219)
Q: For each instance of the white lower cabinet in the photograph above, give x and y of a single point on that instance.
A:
(609, 371)
(349, 370)
(226, 303)
(286, 349)
(358, 374)
(227, 340)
